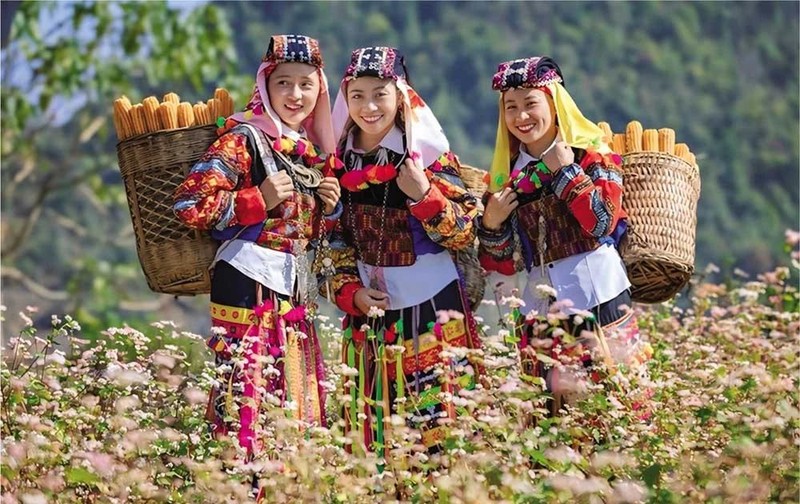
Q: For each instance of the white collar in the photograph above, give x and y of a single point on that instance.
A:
(292, 134)
(392, 141)
(524, 158)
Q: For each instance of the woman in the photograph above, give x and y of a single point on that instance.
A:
(390, 266)
(259, 188)
(556, 191)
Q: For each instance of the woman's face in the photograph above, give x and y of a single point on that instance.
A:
(530, 116)
(293, 91)
(373, 105)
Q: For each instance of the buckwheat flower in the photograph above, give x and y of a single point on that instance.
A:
(545, 291)
(375, 312)
(25, 318)
(512, 301)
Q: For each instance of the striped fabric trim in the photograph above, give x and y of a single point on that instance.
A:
(237, 315)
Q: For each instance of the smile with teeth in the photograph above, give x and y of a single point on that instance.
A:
(525, 127)
(372, 119)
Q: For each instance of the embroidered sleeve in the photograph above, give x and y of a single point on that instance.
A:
(496, 247)
(217, 193)
(337, 273)
(448, 210)
(592, 191)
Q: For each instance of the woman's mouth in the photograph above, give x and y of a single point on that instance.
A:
(525, 128)
(372, 119)
(293, 108)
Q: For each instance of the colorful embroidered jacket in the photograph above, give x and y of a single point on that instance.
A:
(587, 193)
(221, 194)
(443, 219)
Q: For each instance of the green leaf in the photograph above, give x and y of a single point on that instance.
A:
(652, 475)
(80, 475)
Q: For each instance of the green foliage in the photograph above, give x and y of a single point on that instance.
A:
(64, 207)
(723, 75)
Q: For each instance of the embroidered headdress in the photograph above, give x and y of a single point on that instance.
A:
(424, 135)
(259, 112)
(539, 73)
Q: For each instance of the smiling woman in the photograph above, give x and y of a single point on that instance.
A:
(555, 208)
(261, 191)
(405, 211)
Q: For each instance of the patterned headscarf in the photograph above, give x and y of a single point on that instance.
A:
(424, 135)
(539, 73)
(259, 112)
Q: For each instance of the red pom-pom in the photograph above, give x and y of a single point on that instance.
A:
(354, 181)
(382, 173)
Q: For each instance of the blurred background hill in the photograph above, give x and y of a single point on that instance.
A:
(723, 75)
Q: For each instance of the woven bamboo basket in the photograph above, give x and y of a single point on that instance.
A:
(474, 180)
(661, 194)
(174, 257)
(467, 260)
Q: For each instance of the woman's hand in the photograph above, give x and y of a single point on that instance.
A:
(366, 297)
(329, 192)
(559, 156)
(412, 180)
(276, 188)
(498, 208)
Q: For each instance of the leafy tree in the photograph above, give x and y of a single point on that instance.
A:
(66, 230)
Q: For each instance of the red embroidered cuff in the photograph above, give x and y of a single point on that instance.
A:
(345, 298)
(431, 205)
(249, 206)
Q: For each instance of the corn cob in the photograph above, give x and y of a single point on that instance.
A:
(666, 140)
(185, 115)
(618, 143)
(122, 117)
(168, 115)
(172, 97)
(150, 107)
(139, 125)
(650, 140)
(224, 98)
(212, 105)
(633, 136)
(201, 115)
(608, 135)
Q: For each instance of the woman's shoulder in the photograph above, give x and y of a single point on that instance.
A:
(446, 164)
(588, 158)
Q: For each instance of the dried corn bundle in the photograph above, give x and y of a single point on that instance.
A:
(151, 116)
(633, 137)
(650, 140)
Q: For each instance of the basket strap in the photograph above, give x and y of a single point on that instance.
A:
(266, 154)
